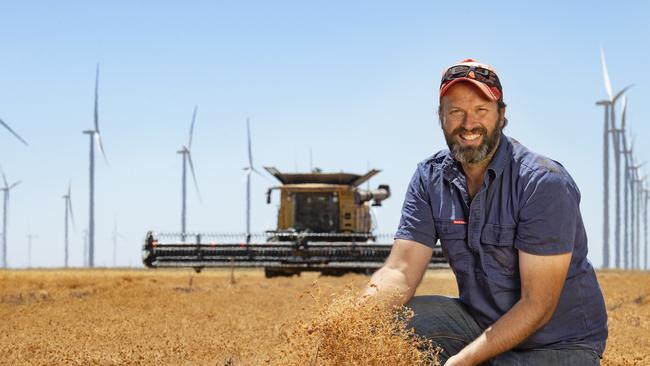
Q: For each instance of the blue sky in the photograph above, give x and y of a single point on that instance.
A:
(355, 82)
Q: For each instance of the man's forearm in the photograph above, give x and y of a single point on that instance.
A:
(388, 281)
(401, 273)
(519, 323)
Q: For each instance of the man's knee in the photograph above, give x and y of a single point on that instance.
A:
(444, 321)
(442, 316)
(431, 304)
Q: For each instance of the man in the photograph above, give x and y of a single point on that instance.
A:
(509, 224)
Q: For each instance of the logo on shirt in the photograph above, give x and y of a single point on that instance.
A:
(459, 222)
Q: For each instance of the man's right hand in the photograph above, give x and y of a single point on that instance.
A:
(402, 272)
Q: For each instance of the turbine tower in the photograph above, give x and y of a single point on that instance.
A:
(30, 237)
(646, 196)
(6, 188)
(249, 170)
(635, 200)
(68, 215)
(609, 126)
(629, 255)
(186, 153)
(95, 138)
(85, 238)
(639, 201)
(13, 132)
(627, 154)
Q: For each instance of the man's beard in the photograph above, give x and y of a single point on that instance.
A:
(470, 154)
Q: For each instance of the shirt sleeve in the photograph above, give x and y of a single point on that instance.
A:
(416, 223)
(549, 217)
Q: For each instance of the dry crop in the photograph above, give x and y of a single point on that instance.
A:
(152, 317)
(347, 332)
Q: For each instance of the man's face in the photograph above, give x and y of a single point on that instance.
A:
(471, 123)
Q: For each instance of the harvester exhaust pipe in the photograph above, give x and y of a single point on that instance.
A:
(376, 195)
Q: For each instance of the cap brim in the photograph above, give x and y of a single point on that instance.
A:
(482, 87)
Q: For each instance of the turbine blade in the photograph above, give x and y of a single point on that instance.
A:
(608, 84)
(257, 172)
(4, 177)
(250, 149)
(262, 175)
(96, 113)
(122, 237)
(13, 132)
(624, 102)
(253, 170)
(619, 94)
(71, 213)
(69, 187)
(98, 141)
(17, 183)
(189, 145)
(196, 183)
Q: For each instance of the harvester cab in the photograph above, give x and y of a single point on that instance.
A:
(325, 203)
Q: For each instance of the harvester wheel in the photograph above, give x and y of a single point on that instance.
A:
(280, 272)
(366, 271)
(333, 272)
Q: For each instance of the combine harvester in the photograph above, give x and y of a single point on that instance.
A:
(324, 224)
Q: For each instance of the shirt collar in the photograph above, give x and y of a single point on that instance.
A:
(500, 157)
(452, 169)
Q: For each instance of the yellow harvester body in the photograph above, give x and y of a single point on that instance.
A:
(322, 208)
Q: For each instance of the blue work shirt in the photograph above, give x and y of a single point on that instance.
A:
(527, 202)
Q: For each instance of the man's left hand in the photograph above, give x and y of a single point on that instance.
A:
(458, 360)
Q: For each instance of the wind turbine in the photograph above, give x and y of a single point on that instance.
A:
(95, 138)
(610, 126)
(116, 235)
(30, 236)
(249, 170)
(5, 189)
(186, 152)
(68, 213)
(13, 132)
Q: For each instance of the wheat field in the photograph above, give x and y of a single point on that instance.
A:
(178, 317)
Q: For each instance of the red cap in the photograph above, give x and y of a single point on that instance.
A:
(490, 86)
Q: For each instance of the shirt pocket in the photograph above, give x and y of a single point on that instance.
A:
(500, 257)
(453, 239)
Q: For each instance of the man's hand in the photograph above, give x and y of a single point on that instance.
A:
(402, 272)
(456, 360)
(542, 280)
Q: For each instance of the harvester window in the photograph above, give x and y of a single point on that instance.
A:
(316, 212)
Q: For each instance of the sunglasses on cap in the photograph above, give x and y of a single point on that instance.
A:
(481, 74)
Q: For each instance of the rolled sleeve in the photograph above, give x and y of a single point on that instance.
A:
(548, 219)
(416, 223)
